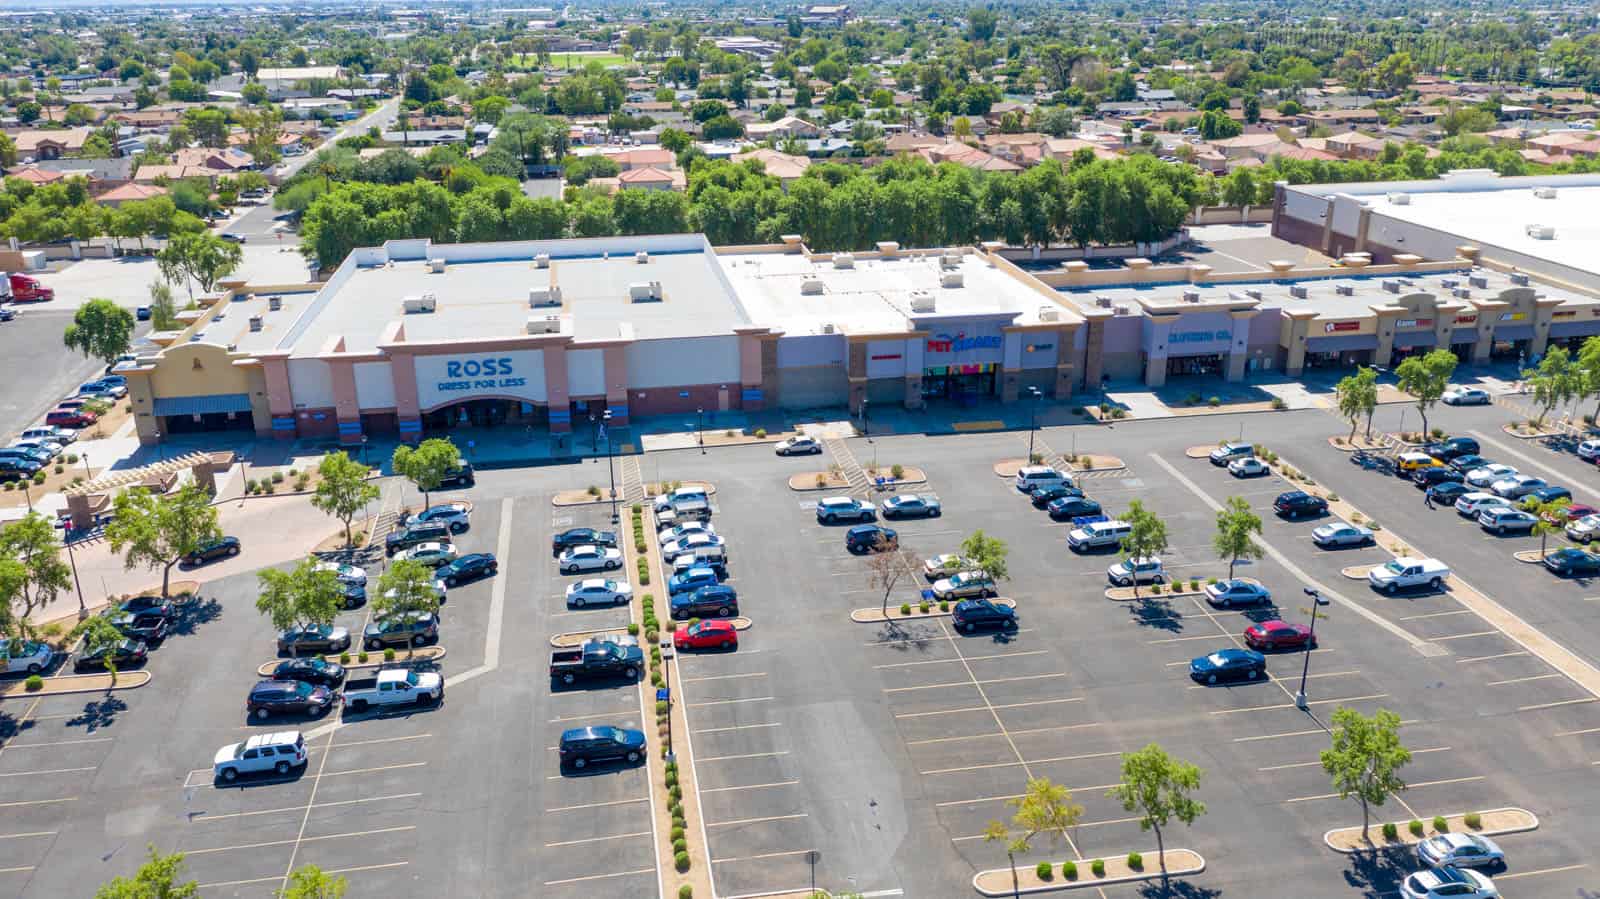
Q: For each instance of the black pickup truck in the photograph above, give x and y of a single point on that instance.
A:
(596, 658)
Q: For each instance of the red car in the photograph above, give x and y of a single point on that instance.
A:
(709, 634)
(70, 418)
(1278, 635)
(1571, 512)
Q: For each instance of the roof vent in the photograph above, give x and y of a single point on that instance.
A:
(544, 324)
(1345, 290)
(1253, 293)
(541, 261)
(274, 303)
(425, 303)
(255, 323)
(1479, 281)
(952, 279)
(539, 297)
(1449, 283)
(1047, 314)
(1545, 193)
(436, 265)
(1519, 278)
(1391, 285)
(844, 260)
(1191, 296)
(921, 301)
(644, 291)
(1462, 293)
(1399, 199)
(950, 260)
(828, 328)
(810, 286)
(641, 257)
(1541, 232)
(1122, 310)
(1103, 302)
(1298, 291)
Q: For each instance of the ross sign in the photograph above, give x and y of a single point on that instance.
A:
(961, 343)
(518, 374)
(1466, 319)
(1198, 336)
(1336, 327)
(1038, 347)
(886, 357)
(1414, 323)
(495, 373)
(1513, 316)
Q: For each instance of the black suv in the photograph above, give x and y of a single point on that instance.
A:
(1043, 496)
(715, 601)
(864, 538)
(1445, 450)
(413, 534)
(971, 614)
(313, 671)
(461, 477)
(1427, 477)
(1299, 504)
(149, 626)
(582, 745)
(566, 540)
(277, 697)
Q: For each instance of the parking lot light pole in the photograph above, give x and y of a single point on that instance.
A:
(1033, 419)
(1305, 669)
(83, 610)
(700, 429)
(611, 467)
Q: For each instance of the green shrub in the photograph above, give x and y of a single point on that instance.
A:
(1278, 403)
(905, 608)
(1155, 588)
(1473, 820)
(1035, 459)
(681, 861)
(60, 468)
(344, 658)
(898, 470)
(388, 654)
(33, 684)
(636, 512)
(1119, 412)
(277, 477)
(1044, 870)
(944, 605)
(1098, 867)
(1415, 827)
(639, 547)
(675, 809)
(1214, 402)
(672, 627)
(677, 834)
(761, 432)
(633, 629)
(1104, 408)
(362, 657)
(680, 845)
(1440, 825)
(72, 458)
(294, 472)
(922, 606)
(1136, 861)
(685, 892)
(1069, 870)
(1333, 497)
(1391, 832)
(1194, 584)
(38, 477)
(268, 488)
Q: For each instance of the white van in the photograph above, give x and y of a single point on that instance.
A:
(1098, 534)
(1033, 476)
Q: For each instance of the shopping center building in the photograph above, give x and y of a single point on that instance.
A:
(412, 337)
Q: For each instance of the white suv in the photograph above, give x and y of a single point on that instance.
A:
(1231, 452)
(279, 753)
(1033, 476)
(17, 656)
(845, 508)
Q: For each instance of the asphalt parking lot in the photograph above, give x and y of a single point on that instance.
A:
(868, 756)
(36, 369)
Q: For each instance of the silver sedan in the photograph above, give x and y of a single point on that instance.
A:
(1461, 850)
(1341, 535)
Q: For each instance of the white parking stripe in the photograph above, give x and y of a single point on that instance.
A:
(619, 836)
(780, 783)
(741, 821)
(552, 883)
(301, 808)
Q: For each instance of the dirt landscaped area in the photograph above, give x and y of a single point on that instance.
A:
(1116, 869)
(910, 612)
(1494, 822)
(64, 684)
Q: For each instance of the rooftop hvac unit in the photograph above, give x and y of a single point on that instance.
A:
(641, 257)
(1103, 302)
(1479, 281)
(921, 301)
(1542, 232)
(1449, 283)
(274, 303)
(1399, 199)
(255, 322)
(644, 291)
(952, 279)
(950, 260)
(1298, 291)
(828, 328)
(436, 265)
(810, 286)
(544, 324)
(1191, 296)
(1122, 310)
(1462, 293)
(1047, 314)
(424, 303)
(844, 260)
(1519, 278)
(1545, 193)
(1391, 285)
(544, 296)
(1345, 290)
(541, 261)
(1253, 293)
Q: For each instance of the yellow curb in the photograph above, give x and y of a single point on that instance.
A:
(1125, 594)
(872, 616)
(1518, 820)
(1180, 862)
(969, 426)
(423, 653)
(1200, 452)
(65, 684)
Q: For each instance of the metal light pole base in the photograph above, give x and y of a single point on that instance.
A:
(1300, 700)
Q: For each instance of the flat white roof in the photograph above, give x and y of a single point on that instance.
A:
(1500, 217)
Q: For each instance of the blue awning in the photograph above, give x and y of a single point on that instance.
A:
(1513, 332)
(202, 405)
(1415, 338)
(1575, 329)
(1347, 343)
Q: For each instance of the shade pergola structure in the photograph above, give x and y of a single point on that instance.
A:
(89, 499)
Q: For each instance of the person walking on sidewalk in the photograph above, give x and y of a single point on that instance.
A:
(1427, 498)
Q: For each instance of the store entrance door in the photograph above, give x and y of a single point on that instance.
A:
(1212, 365)
(964, 385)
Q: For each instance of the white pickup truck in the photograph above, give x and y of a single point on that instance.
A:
(1406, 572)
(392, 686)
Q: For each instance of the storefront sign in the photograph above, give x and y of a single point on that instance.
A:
(1198, 336)
(885, 357)
(1466, 319)
(1513, 316)
(450, 378)
(1038, 347)
(1336, 327)
(1564, 313)
(495, 373)
(961, 343)
(1414, 323)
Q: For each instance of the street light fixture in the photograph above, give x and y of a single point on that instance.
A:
(1305, 669)
(1033, 418)
(83, 609)
(700, 428)
(611, 468)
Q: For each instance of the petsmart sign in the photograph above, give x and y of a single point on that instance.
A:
(967, 345)
(447, 378)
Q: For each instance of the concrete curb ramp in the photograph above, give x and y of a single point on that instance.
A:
(66, 684)
(1496, 822)
(997, 881)
(873, 616)
(421, 653)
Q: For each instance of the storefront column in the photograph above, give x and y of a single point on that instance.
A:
(1485, 342)
(407, 408)
(752, 397)
(1544, 312)
(1010, 385)
(616, 375)
(856, 371)
(1157, 330)
(1239, 347)
(1066, 362)
(280, 399)
(1094, 347)
(1299, 326)
(769, 371)
(555, 385)
(913, 398)
(342, 373)
(1384, 354)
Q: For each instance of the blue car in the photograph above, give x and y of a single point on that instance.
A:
(1229, 664)
(1549, 495)
(691, 580)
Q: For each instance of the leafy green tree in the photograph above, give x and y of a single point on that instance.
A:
(1147, 535)
(202, 259)
(163, 311)
(1365, 759)
(1358, 398)
(1239, 188)
(98, 633)
(1588, 372)
(159, 878)
(988, 555)
(158, 531)
(101, 330)
(1235, 525)
(302, 596)
(33, 544)
(311, 882)
(8, 151)
(1044, 809)
(343, 489)
(1157, 787)
(406, 588)
(427, 464)
(1551, 518)
(1555, 381)
(1426, 378)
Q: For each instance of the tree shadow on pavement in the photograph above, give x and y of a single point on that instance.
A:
(1156, 612)
(1176, 889)
(98, 714)
(11, 725)
(1379, 872)
(907, 637)
(187, 616)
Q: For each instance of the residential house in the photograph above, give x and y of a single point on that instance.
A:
(155, 119)
(1355, 145)
(971, 157)
(1245, 145)
(36, 145)
(281, 82)
(316, 107)
(1064, 148)
(911, 143)
(786, 128)
(422, 138)
(225, 161)
(129, 193)
(642, 158)
(782, 166)
(1025, 149)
